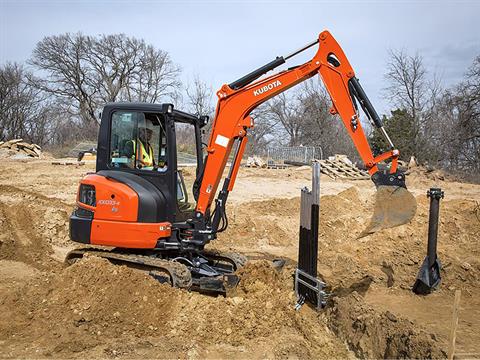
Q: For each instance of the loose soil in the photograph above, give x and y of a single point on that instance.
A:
(94, 309)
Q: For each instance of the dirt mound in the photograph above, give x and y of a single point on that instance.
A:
(419, 173)
(86, 300)
(93, 302)
(373, 334)
(260, 311)
(31, 226)
(257, 223)
(257, 276)
(275, 223)
(96, 310)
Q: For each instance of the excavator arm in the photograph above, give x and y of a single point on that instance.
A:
(238, 99)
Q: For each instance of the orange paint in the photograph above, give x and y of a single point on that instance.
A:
(234, 106)
(114, 200)
(128, 234)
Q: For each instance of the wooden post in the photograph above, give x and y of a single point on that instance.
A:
(453, 330)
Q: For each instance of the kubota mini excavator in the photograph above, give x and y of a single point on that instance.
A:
(136, 203)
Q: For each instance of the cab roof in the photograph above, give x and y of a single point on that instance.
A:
(151, 107)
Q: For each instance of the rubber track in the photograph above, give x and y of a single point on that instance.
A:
(179, 274)
(238, 259)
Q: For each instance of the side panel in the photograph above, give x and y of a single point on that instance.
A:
(128, 235)
(114, 200)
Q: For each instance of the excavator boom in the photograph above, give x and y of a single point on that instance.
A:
(232, 121)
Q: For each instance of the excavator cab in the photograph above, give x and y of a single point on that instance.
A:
(137, 180)
(140, 140)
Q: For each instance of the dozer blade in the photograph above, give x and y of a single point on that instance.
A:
(394, 204)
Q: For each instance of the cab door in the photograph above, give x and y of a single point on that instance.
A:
(186, 137)
(124, 147)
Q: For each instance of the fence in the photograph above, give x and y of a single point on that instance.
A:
(295, 154)
(83, 146)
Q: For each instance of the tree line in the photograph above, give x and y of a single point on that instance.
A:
(55, 98)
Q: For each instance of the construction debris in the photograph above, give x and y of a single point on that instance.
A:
(341, 167)
(87, 155)
(255, 161)
(68, 162)
(19, 149)
(336, 167)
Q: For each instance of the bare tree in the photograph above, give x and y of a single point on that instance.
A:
(24, 110)
(199, 97)
(265, 131)
(320, 127)
(285, 111)
(305, 118)
(459, 121)
(198, 102)
(84, 72)
(410, 89)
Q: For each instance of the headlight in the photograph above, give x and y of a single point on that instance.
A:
(86, 194)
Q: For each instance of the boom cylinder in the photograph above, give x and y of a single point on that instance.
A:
(254, 75)
(365, 102)
(279, 60)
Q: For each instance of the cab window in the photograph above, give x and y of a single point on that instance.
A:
(138, 141)
(186, 163)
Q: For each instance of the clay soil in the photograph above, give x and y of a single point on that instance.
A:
(94, 309)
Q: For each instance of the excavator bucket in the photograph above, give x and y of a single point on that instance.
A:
(394, 204)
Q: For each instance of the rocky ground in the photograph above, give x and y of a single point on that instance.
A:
(94, 309)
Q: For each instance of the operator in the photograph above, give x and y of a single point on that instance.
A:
(143, 153)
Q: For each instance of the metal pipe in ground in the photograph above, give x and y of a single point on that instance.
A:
(428, 278)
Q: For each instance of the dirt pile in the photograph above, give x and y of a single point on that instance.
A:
(31, 225)
(85, 302)
(97, 310)
(93, 302)
(428, 173)
(391, 256)
(256, 223)
(259, 311)
(373, 334)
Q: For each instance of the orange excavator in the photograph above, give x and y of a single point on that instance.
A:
(135, 206)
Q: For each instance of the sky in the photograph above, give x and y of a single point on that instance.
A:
(220, 41)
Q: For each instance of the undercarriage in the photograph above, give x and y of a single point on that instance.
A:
(204, 271)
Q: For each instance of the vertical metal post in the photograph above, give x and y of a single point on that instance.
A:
(316, 183)
(428, 278)
(435, 195)
(307, 286)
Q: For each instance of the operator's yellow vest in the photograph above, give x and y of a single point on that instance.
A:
(144, 157)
